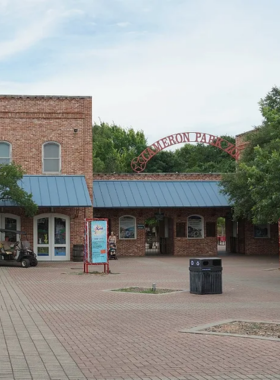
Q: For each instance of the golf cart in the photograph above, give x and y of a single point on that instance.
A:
(16, 251)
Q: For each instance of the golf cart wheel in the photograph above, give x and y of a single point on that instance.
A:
(25, 263)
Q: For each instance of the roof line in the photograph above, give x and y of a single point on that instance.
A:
(156, 180)
(44, 96)
(54, 175)
(179, 207)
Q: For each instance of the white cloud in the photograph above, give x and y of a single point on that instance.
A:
(29, 35)
(123, 24)
(188, 67)
(73, 12)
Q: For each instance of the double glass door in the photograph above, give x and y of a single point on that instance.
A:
(52, 237)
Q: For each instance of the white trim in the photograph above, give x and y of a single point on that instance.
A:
(10, 150)
(202, 228)
(43, 158)
(135, 229)
(51, 245)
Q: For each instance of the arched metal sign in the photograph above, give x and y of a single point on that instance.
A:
(138, 164)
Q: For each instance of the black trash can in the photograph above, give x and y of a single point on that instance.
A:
(206, 275)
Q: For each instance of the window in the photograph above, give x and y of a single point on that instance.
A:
(210, 229)
(127, 227)
(51, 157)
(181, 229)
(261, 230)
(195, 227)
(5, 152)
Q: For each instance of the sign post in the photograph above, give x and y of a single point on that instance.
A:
(96, 243)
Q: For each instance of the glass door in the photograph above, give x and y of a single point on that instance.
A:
(60, 234)
(43, 241)
(52, 237)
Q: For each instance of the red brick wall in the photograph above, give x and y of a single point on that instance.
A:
(182, 246)
(27, 122)
(261, 246)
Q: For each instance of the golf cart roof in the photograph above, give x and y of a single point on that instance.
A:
(13, 231)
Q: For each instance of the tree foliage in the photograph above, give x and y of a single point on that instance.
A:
(115, 147)
(205, 158)
(11, 191)
(254, 187)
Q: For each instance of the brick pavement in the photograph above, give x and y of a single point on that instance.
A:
(57, 323)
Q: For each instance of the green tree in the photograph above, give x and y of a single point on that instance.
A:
(164, 162)
(114, 148)
(254, 188)
(202, 158)
(10, 175)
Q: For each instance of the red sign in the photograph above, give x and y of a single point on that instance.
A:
(138, 164)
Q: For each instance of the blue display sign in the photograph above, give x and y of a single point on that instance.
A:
(99, 242)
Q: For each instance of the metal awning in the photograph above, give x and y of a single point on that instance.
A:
(55, 191)
(135, 194)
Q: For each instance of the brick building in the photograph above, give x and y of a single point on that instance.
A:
(182, 210)
(178, 200)
(51, 138)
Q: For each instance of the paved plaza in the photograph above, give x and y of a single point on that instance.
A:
(58, 323)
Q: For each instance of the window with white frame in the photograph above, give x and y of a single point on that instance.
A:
(51, 157)
(261, 230)
(5, 152)
(195, 227)
(127, 227)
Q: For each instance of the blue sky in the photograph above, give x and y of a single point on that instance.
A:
(163, 66)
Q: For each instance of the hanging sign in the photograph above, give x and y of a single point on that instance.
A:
(98, 241)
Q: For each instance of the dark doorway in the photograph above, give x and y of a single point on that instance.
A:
(167, 236)
(159, 236)
(152, 241)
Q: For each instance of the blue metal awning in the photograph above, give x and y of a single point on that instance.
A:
(133, 194)
(55, 191)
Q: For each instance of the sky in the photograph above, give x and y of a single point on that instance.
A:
(161, 66)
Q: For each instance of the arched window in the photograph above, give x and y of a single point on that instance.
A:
(5, 152)
(195, 227)
(127, 227)
(51, 157)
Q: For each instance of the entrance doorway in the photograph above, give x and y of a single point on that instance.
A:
(52, 237)
(159, 236)
(221, 236)
(152, 240)
(9, 222)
